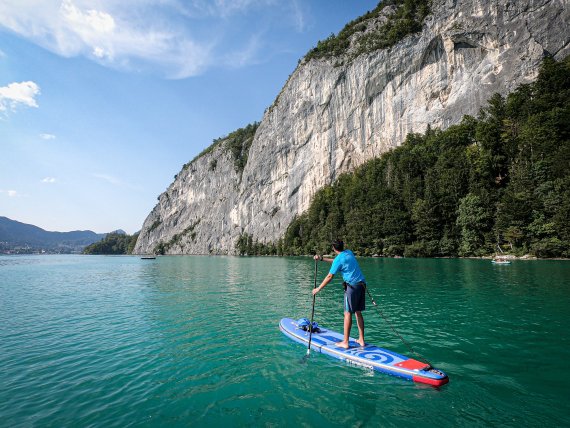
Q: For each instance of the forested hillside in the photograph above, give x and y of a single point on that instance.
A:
(113, 244)
(501, 179)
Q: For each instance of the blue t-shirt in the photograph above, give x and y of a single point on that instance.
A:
(345, 262)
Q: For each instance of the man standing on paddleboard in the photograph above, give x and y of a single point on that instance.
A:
(354, 289)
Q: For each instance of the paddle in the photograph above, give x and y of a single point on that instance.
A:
(420, 358)
(312, 315)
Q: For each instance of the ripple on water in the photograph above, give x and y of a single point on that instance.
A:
(195, 341)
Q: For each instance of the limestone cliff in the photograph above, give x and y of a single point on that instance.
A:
(333, 114)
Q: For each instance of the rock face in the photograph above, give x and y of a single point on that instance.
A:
(330, 118)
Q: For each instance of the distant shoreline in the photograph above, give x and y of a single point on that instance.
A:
(508, 256)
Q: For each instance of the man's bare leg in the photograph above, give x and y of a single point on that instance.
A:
(360, 324)
(347, 327)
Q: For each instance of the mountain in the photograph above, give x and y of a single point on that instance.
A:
(118, 232)
(22, 237)
(357, 95)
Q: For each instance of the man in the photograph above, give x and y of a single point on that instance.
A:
(354, 289)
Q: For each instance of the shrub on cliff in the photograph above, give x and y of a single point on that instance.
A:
(364, 34)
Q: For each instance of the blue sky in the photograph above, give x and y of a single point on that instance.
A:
(102, 101)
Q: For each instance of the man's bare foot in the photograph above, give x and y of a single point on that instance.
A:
(342, 344)
(361, 343)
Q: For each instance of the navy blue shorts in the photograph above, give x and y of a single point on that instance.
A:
(355, 297)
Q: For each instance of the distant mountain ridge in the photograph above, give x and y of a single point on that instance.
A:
(18, 237)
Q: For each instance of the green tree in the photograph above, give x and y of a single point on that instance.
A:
(113, 244)
(473, 220)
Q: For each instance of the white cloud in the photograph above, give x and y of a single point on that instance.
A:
(176, 38)
(227, 8)
(115, 181)
(89, 21)
(16, 94)
(126, 35)
(298, 17)
(108, 178)
(217, 8)
(99, 52)
(10, 193)
(245, 56)
(47, 136)
(49, 180)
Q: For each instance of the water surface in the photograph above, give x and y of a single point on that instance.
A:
(194, 341)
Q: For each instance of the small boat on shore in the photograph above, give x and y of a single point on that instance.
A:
(501, 260)
(148, 257)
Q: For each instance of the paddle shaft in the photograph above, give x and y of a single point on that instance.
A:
(312, 313)
(422, 359)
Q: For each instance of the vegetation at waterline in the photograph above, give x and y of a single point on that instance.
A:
(188, 233)
(406, 19)
(499, 180)
(113, 244)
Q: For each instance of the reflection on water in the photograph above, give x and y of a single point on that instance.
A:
(195, 341)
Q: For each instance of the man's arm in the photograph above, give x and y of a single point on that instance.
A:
(323, 259)
(327, 279)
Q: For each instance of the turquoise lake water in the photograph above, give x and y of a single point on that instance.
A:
(194, 341)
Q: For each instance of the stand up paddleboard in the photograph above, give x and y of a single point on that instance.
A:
(369, 356)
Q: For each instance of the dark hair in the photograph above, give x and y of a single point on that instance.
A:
(338, 245)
